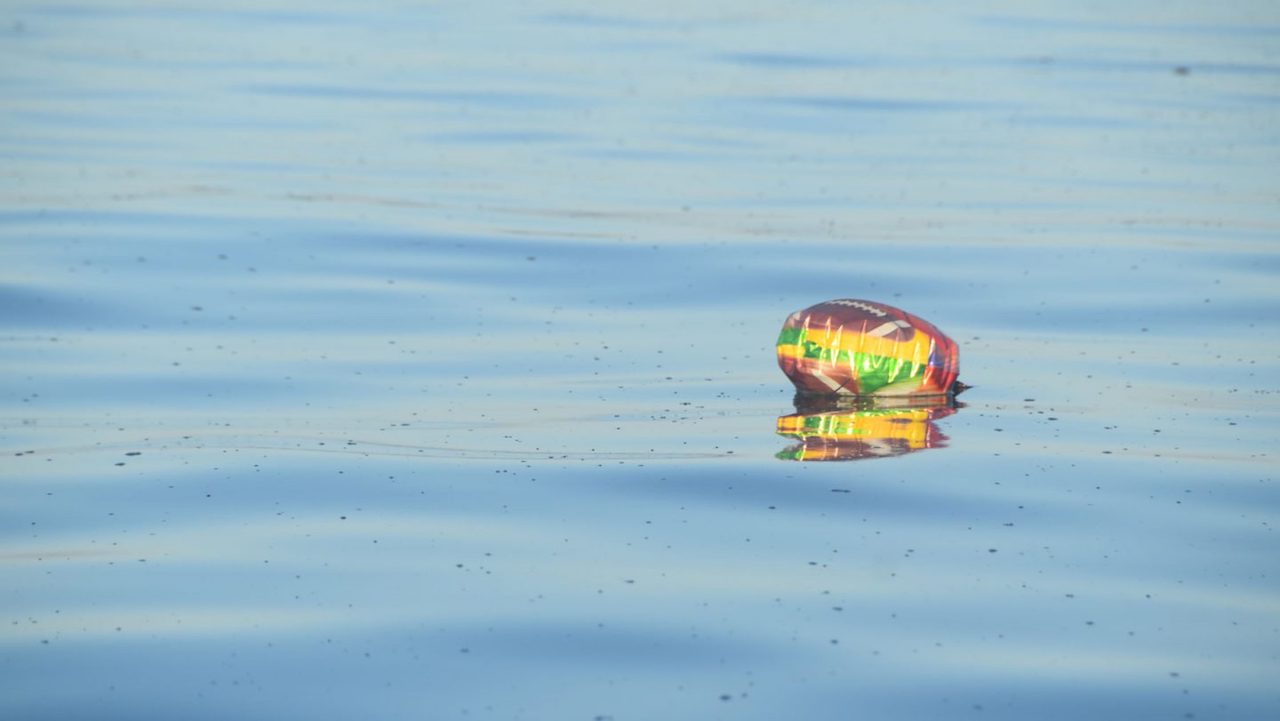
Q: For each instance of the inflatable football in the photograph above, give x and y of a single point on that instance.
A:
(852, 347)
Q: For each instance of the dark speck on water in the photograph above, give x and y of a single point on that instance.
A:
(439, 346)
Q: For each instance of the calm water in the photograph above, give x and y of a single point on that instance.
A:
(417, 362)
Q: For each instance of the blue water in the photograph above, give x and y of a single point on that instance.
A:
(417, 362)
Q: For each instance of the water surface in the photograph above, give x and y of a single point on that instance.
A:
(417, 362)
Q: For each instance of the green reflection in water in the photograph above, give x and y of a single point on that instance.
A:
(851, 429)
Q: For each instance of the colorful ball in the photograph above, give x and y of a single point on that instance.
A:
(853, 347)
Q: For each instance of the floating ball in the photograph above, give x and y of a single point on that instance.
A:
(853, 347)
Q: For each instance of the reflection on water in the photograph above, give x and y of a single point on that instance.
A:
(854, 429)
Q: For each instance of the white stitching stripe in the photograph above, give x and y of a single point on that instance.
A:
(889, 327)
(861, 305)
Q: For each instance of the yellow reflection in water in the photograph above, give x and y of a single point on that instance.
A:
(842, 429)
